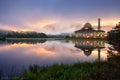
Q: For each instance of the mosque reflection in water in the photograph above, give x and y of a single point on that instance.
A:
(87, 46)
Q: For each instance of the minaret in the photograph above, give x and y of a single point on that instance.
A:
(99, 24)
(99, 54)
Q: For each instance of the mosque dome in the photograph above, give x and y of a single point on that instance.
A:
(87, 53)
(87, 26)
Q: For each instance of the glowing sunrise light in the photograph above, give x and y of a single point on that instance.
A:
(24, 30)
(45, 51)
(102, 53)
(109, 21)
(21, 30)
(22, 44)
(41, 24)
(14, 30)
(41, 52)
(25, 44)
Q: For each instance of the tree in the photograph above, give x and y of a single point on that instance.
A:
(26, 35)
(115, 33)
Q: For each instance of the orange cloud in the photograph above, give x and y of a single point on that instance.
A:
(60, 25)
(50, 27)
(41, 51)
(41, 23)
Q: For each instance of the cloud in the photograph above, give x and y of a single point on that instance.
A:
(76, 26)
(57, 16)
(51, 27)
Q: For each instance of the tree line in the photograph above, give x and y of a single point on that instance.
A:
(24, 35)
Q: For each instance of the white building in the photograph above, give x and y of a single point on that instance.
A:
(88, 32)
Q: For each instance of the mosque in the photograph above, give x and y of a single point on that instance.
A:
(88, 32)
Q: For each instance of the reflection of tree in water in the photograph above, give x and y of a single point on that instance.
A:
(114, 52)
(28, 41)
(114, 49)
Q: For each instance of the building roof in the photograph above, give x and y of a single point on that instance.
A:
(88, 28)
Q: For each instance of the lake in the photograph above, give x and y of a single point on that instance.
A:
(17, 55)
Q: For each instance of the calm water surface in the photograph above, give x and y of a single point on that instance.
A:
(16, 55)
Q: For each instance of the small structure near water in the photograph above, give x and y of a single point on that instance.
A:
(88, 32)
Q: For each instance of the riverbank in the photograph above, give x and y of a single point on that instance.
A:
(34, 38)
(105, 70)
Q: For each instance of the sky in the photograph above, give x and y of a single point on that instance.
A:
(57, 16)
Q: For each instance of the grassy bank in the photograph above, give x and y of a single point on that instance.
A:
(109, 70)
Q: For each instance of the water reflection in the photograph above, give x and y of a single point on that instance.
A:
(114, 48)
(25, 40)
(87, 46)
(19, 54)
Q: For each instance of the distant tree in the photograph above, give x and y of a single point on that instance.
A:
(26, 35)
(2, 35)
(67, 37)
(117, 27)
(114, 34)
